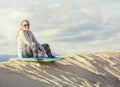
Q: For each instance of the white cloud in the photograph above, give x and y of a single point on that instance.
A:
(1, 36)
(57, 5)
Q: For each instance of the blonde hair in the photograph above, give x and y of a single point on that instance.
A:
(21, 26)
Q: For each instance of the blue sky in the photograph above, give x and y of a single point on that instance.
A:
(69, 26)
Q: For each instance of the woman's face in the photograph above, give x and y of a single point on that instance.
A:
(25, 25)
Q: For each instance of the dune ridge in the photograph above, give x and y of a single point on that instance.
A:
(96, 69)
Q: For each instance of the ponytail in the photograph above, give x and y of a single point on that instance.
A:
(18, 33)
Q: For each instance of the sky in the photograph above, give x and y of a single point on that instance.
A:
(68, 26)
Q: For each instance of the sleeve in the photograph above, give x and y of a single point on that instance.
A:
(24, 36)
(36, 42)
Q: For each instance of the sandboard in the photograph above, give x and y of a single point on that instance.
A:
(41, 59)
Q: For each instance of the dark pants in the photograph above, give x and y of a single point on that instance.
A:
(32, 51)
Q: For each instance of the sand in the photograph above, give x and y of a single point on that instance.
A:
(96, 69)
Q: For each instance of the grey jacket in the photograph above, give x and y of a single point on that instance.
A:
(24, 39)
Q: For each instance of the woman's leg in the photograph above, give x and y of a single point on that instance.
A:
(48, 50)
(30, 51)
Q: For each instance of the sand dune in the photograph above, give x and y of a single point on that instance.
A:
(98, 69)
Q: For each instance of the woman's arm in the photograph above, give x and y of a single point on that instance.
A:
(37, 43)
(43, 52)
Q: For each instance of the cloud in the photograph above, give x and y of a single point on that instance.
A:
(107, 44)
(1, 36)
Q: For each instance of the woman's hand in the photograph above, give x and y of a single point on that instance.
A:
(43, 52)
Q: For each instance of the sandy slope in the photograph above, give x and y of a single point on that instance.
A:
(98, 69)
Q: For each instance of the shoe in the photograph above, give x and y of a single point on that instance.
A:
(51, 56)
(42, 56)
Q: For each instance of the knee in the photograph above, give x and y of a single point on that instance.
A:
(47, 45)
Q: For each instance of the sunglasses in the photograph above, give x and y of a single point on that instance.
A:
(26, 25)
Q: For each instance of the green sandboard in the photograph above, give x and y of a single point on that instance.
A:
(41, 59)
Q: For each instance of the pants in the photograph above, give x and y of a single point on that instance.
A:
(32, 51)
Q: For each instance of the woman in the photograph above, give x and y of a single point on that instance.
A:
(27, 44)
